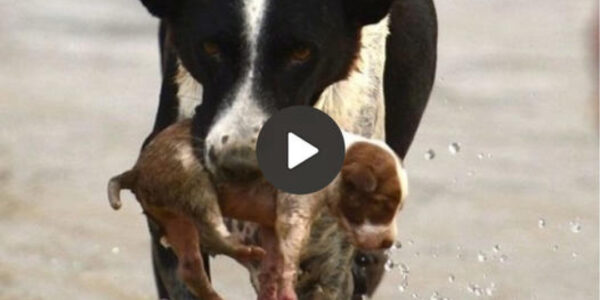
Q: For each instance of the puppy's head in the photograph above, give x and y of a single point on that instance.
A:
(373, 188)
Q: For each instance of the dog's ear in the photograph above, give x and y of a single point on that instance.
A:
(364, 12)
(159, 8)
(360, 176)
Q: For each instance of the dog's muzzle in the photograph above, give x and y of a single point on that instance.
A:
(234, 164)
(231, 148)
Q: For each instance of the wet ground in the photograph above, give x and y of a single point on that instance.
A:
(510, 212)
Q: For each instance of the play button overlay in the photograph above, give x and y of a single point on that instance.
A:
(300, 150)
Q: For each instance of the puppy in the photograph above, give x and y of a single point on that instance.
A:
(175, 190)
(365, 198)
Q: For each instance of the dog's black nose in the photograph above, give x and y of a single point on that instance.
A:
(237, 165)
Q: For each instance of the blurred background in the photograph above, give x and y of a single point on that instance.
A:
(503, 172)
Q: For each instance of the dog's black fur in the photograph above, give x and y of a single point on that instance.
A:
(331, 30)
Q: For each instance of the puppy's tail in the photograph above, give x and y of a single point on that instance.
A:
(116, 184)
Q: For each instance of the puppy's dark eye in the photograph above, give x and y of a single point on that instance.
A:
(211, 48)
(300, 54)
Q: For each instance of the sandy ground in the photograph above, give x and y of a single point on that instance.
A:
(512, 215)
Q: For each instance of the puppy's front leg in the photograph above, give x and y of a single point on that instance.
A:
(295, 214)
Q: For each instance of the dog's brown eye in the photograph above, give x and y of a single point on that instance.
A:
(211, 48)
(301, 54)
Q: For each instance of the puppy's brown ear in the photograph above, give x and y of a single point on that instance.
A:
(159, 8)
(360, 176)
(364, 12)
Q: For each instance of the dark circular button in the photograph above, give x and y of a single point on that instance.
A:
(300, 150)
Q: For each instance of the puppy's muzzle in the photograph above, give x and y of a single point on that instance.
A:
(235, 164)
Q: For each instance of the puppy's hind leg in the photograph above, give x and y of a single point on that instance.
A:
(295, 215)
(182, 235)
(207, 214)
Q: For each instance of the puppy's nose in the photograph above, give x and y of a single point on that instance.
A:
(386, 243)
(237, 164)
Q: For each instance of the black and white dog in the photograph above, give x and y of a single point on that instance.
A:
(230, 64)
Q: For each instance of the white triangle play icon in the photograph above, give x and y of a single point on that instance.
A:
(299, 150)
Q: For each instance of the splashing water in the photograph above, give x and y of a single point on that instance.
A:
(541, 223)
(404, 269)
(474, 289)
(454, 148)
(575, 226)
(451, 278)
(503, 258)
(389, 265)
(429, 154)
(496, 248)
(481, 257)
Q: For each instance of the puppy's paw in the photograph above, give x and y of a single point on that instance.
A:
(249, 253)
(287, 292)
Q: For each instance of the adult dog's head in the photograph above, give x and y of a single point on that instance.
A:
(253, 57)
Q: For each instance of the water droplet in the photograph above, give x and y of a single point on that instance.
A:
(541, 223)
(411, 242)
(429, 154)
(470, 173)
(574, 254)
(115, 250)
(414, 295)
(401, 288)
(555, 248)
(404, 269)
(435, 296)
(481, 257)
(389, 265)
(496, 248)
(473, 288)
(454, 148)
(417, 254)
(451, 278)
(503, 258)
(489, 155)
(575, 226)
(480, 156)
(397, 245)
